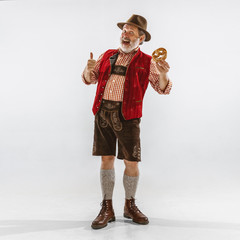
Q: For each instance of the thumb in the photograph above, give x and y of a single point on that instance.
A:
(91, 55)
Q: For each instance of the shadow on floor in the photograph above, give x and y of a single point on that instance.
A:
(11, 227)
(194, 224)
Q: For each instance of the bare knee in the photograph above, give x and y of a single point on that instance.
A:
(108, 162)
(131, 164)
(131, 168)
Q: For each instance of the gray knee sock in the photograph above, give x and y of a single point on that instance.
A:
(107, 178)
(130, 185)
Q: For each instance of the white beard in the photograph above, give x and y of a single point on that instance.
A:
(128, 49)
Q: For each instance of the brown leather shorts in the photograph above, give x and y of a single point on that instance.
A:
(110, 127)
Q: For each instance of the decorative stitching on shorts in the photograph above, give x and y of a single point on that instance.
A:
(94, 147)
(137, 152)
(102, 121)
(117, 125)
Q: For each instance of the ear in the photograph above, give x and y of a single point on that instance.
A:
(142, 38)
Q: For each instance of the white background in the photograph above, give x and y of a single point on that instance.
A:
(190, 138)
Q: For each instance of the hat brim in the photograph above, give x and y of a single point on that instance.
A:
(147, 34)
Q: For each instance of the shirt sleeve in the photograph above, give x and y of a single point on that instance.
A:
(94, 74)
(154, 80)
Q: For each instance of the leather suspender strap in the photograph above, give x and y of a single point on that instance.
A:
(119, 70)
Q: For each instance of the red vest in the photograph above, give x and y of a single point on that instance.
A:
(135, 85)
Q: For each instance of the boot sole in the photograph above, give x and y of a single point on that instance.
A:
(142, 223)
(102, 226)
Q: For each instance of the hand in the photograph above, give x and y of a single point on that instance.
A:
(162, 66)
(91, 63)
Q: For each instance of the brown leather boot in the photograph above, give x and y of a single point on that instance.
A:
(132, 211)
(105, 215)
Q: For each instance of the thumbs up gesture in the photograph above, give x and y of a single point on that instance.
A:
(91, 63)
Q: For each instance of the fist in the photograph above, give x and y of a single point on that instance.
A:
(91, 63)
(163, 66)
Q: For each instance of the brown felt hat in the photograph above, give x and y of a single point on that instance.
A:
(137, 21)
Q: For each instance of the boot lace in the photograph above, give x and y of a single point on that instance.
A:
(134, 206)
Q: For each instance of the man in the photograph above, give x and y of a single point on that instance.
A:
(122, 76)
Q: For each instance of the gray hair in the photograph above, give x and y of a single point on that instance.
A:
(140, 33)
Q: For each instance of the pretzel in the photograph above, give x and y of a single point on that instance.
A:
(159, 54)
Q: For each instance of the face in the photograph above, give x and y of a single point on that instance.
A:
(130, 38)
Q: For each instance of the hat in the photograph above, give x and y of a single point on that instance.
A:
(137, 21)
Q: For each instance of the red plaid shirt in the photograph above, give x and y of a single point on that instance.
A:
(115, 84)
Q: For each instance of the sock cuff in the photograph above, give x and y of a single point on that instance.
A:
(107, 170)
(130, 177)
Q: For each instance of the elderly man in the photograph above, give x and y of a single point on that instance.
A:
(122, 75)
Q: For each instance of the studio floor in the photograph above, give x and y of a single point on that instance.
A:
(68, 216)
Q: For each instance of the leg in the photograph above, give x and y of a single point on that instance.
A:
(131, 168)
(107, 178)
(130, 181)
(130, 178)
(105, 146)
(107, 162)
